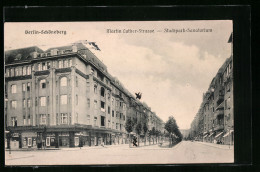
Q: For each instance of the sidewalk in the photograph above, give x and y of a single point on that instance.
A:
(68, 148)
(217, 145)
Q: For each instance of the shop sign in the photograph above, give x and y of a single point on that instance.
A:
(15, 134)
(51, 134)
(64, 134)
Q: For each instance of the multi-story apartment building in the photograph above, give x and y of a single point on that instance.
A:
(217, 108)
(65, 97)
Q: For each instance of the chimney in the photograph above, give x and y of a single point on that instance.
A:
(74, 48)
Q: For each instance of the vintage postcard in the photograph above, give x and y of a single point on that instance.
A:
(128, 92)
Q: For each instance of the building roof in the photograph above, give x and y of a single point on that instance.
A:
(67, 47)
(22, 54)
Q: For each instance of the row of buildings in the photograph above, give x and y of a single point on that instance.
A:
(214, 121)
(65, 97)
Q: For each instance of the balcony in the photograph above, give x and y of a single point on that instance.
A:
(218, 127)
(218, 113)
(220, 97)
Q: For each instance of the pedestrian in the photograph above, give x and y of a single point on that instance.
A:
(134, 141)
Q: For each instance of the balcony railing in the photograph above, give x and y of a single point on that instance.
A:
(218, 113)
(220, 97)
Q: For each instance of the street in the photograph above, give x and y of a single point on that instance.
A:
(184, 152)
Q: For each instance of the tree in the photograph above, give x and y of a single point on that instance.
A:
(129, 128)
(153, 132)
(145, 129)
(138, 129)
(173, 129)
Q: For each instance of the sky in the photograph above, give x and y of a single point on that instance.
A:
(171, 70)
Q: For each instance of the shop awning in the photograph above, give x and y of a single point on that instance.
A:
(228, 133)
(211, 134)
(205, 136)
(218, 135)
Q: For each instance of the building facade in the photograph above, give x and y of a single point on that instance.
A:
(215, 115)
(65, 97)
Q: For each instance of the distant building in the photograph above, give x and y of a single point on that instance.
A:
(214, 121)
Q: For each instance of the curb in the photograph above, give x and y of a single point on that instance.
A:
(231, 148)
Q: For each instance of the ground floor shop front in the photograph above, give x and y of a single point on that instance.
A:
(50, 138)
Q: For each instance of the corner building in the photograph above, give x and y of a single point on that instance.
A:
(66, 95)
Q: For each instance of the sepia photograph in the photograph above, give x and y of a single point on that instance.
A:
(118, 92)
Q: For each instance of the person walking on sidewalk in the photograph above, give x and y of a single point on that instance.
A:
(134, 141)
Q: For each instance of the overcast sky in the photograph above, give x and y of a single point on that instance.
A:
(172, 70)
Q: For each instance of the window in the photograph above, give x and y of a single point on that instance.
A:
(14, 121)
(43, 83)
(39, 67)
(117, 126)
(95, 104)
(64, 118)
(48, 65)
(88, 103)
(108, 109)
(63, 81)
(225, 104)
(95, 121)
(24, 120)
(70, 62)
(28, 86)
(77, 101)
(28, 103)
(65, 63)
(13, 104)
(212, 109)
(228, 103)
(44, 66)
(42, 119)
(113, 125)
(102, 105)
(29, 120)
(43, 101)
(24, 87)
(102, 92)
(120, 104)
(7, 72)
(117, 103)
(95, 89)
(24, 70)
(24, 103)
(60, 64)
(29, 70)
(12, 72)
(102, 121)
(88, 119)
(16, 71)
(13, 89)
(113, 113)
(63, 99)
